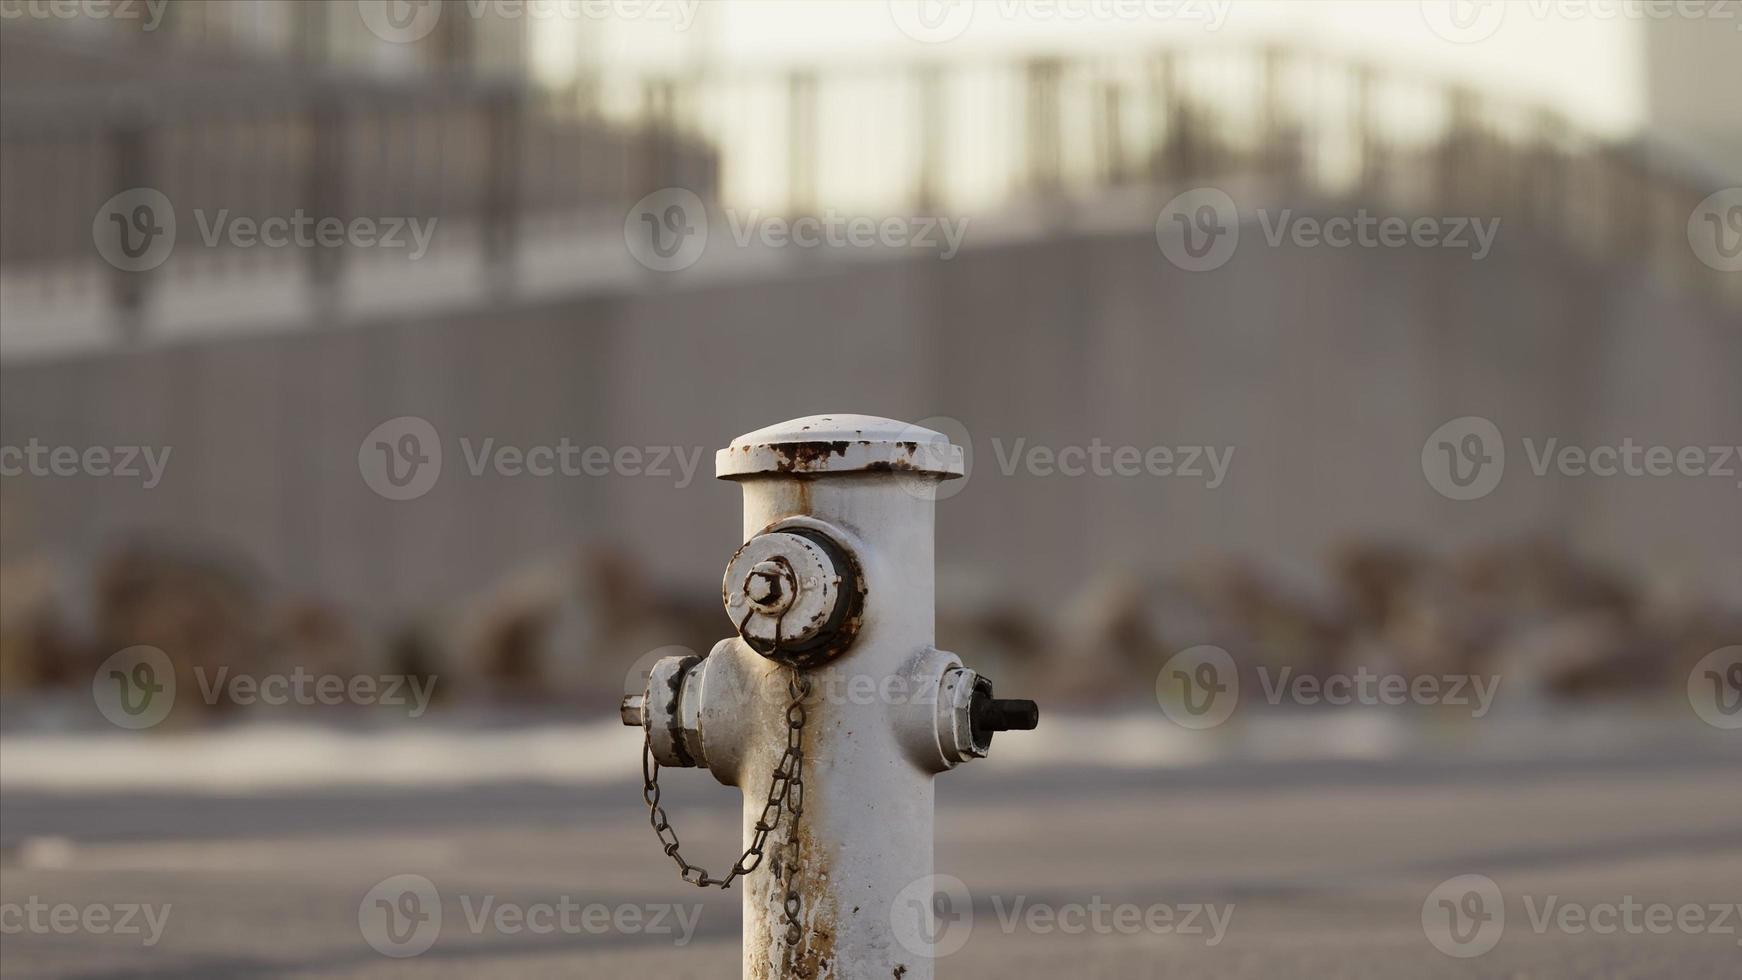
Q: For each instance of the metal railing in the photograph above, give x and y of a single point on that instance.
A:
(966, 137)
(500, 163)
(491, 162)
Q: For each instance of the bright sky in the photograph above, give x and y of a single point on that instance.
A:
(1584, 57)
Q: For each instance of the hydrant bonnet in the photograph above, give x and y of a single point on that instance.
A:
(830, 444)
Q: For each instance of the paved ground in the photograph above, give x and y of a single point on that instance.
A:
(1327, 867)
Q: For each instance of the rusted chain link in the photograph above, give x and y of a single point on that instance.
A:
(785, 791)
(797, 687)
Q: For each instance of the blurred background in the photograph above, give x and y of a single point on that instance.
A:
(583, 225)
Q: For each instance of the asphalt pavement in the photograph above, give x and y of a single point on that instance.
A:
(1622, 865)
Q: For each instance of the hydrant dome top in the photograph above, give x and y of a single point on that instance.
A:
(826, 444)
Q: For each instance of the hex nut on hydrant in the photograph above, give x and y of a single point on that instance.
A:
(832, 588)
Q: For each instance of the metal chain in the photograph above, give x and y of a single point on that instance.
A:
(785, 792)
(786, 864)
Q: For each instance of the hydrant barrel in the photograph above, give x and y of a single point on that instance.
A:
(832, 593)
(864, 484)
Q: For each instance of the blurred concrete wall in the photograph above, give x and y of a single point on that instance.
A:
(1325, 369)
(1693, 71)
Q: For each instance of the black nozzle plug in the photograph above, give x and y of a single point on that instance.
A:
(989, 714)
(1011, 715)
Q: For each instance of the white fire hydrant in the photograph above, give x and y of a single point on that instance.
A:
(831, 709)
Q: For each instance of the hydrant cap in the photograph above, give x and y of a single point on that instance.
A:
(820, 444)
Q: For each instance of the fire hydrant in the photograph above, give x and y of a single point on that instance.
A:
(832, 709)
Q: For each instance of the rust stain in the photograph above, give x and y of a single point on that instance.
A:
(891, 466)
(805, 458)
(814, 956)
(675, 731)
(801, 457)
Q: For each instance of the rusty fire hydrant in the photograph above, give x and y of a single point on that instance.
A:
(832, 709)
